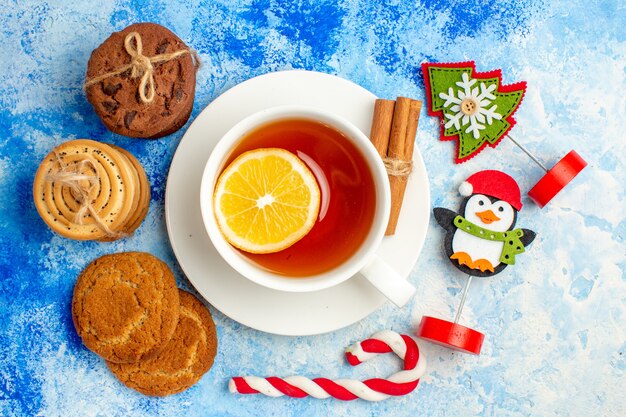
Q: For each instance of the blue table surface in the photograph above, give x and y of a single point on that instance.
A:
(555, 323)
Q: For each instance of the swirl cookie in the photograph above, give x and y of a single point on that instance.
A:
(141, 81)
(126, 306)
(88, 190)
(188, 355)
(142, 194)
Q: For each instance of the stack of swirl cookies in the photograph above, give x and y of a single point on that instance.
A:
(155, 338)
(88, 190)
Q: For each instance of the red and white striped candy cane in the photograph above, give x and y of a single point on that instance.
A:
(374, 389)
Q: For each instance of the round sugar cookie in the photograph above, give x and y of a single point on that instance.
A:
(133, 193)
(80, 170)
(144, 194)
(141, 197)
(188, 355)
(126, 306)
(116, 98)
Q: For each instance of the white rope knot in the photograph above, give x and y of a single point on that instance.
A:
(81, 185)
(142, 66)
(397, 167)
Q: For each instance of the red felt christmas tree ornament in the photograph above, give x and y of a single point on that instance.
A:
(476, 110)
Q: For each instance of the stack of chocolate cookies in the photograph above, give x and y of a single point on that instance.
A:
(141, 81)
(88, 190)
(155, 338)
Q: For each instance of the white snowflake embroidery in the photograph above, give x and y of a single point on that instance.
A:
(470, 106)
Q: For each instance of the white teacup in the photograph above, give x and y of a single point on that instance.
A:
(364, 260)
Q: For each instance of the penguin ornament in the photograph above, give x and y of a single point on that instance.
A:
(481, 241)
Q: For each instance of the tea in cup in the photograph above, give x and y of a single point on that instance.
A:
(353, 208)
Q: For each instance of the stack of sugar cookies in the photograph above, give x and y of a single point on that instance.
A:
(88, 190)
(156, 339)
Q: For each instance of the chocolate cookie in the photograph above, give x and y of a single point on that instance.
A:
(188, 355)
(141, 81)
(126, 306)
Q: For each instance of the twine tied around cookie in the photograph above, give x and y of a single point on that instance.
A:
(141, 66)
(74, 178)
(397, 167)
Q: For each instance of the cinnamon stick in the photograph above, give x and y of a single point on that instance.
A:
(381, 125)
(399, 128)
(400, 144)
(411, 128)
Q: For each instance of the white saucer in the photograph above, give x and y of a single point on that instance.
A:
(284, 313)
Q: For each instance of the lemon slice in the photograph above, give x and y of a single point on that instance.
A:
(266, 200)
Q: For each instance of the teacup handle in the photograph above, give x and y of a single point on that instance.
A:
(386, 280)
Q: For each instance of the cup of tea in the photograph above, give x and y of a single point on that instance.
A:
(354, 203)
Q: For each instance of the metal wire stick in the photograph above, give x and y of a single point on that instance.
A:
(530, 155)
(463, 297)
